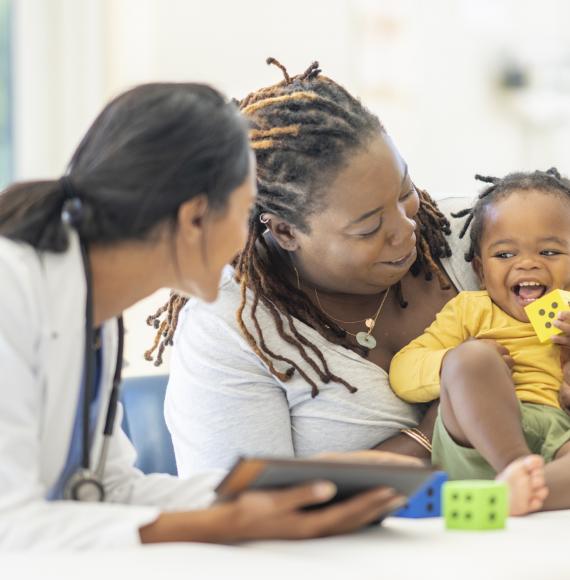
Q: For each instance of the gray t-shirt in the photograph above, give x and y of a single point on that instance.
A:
(222, 401)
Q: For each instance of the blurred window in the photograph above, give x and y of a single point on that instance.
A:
(5, 92)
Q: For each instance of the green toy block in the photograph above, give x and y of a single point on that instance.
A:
(543, 311)
(475, 505)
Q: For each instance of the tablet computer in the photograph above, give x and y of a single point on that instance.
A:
(350, 477)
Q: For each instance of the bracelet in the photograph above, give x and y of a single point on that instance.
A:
(424, 438)
(419, 437)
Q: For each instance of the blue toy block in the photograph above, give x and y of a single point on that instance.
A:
(426, 502)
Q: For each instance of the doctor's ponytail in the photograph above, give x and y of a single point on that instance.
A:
(31, 212)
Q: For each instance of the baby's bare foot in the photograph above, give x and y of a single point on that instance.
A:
(527, 487)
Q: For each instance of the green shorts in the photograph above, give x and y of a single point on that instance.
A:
(546, 430)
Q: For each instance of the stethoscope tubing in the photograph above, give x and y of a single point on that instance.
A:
(89, 363)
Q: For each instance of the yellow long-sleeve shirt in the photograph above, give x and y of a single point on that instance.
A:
(415, 370)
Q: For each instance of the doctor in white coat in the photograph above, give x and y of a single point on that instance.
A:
(157, 195)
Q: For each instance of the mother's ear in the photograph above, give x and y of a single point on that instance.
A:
(284, 233)
(478, 268)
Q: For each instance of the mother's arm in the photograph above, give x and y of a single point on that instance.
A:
(401, 443)
(221, 401)
(462, 276)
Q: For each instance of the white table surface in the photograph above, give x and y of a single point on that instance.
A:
(536, 547)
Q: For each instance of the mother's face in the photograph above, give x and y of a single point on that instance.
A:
(363, 240)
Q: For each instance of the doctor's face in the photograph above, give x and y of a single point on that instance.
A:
(222, 234)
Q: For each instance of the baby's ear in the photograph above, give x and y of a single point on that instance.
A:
(478, 269)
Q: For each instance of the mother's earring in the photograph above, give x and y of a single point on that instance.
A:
(264, 219)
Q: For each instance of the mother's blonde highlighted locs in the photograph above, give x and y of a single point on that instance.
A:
(303, 130)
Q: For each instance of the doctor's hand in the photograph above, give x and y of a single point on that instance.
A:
(260, 515)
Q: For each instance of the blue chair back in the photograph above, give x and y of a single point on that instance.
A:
(143, 422)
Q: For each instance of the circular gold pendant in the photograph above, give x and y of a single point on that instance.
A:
(366, 340)
(369, 323)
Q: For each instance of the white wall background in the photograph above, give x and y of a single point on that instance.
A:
(431, 70)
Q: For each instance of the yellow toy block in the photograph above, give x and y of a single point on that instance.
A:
(543, 312)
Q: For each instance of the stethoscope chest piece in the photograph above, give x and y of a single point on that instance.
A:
(84, 485)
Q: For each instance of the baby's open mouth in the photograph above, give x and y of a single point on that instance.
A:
(528, 292)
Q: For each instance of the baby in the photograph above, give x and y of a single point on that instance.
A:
(500, 388)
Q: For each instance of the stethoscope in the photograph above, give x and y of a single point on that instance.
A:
(86, 484)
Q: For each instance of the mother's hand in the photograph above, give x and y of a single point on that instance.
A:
(562, 322)
(260, 515)
(503, 351)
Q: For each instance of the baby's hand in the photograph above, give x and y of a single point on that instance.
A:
(562, 322)
(502, 350)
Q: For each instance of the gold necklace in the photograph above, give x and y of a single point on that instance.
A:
(363, 338)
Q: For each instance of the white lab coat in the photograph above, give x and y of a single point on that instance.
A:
(42, 319)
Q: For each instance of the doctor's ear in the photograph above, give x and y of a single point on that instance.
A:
(191, 217)
(477, 265)
(284, 233)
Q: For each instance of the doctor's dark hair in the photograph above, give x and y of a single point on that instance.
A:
(150, 150)
(304, 131)
(549, 181)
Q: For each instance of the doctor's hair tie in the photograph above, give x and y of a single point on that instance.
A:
(72, 209)
(72, 212)
(67, 187)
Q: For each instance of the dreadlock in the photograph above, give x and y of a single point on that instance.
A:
(549, 181)
(303, 129)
